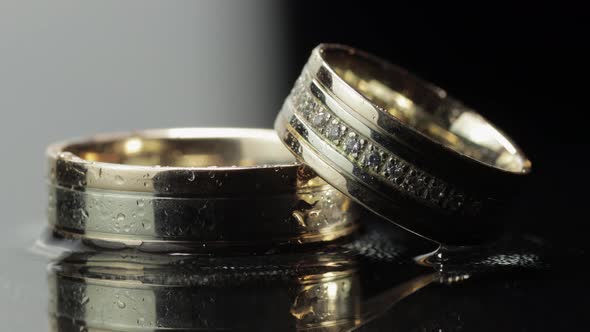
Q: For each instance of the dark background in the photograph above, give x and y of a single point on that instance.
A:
(523, 67)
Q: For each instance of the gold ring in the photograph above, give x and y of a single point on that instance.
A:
(400, 146)
(190, 188)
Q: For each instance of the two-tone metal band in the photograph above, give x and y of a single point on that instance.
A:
(191, 188)
(418, 162)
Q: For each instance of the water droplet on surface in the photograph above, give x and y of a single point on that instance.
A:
(121, 304)
(146, 225)
(119, 180)
(141, 202)
(116, 225)
(65, 155)
(191, 177)
(128, 227)
(120, 217)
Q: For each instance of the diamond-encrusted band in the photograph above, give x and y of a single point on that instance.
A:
(373, 158)
(400, 146)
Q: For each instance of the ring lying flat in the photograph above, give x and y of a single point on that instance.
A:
(400, 146)
(108, 189)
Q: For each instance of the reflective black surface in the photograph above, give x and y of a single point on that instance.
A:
(379, 280)
(337, 287)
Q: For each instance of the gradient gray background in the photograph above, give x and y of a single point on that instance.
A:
(74, 68)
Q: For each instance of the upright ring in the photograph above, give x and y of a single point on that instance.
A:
(400, 146)
(197, 188)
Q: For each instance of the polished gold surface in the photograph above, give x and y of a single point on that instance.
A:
(426, 109)
(176, 161)
(191, 188)
(400, 146)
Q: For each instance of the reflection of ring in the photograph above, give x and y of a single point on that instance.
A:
(147, 292)
(398, 145)
(215, 187)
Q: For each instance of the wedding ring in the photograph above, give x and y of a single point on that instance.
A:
(193, 188)
(400, 146)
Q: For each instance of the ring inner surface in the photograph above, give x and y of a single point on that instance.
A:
(426, 109)
(185, 152)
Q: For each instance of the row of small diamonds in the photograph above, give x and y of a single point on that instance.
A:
(372, 158)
